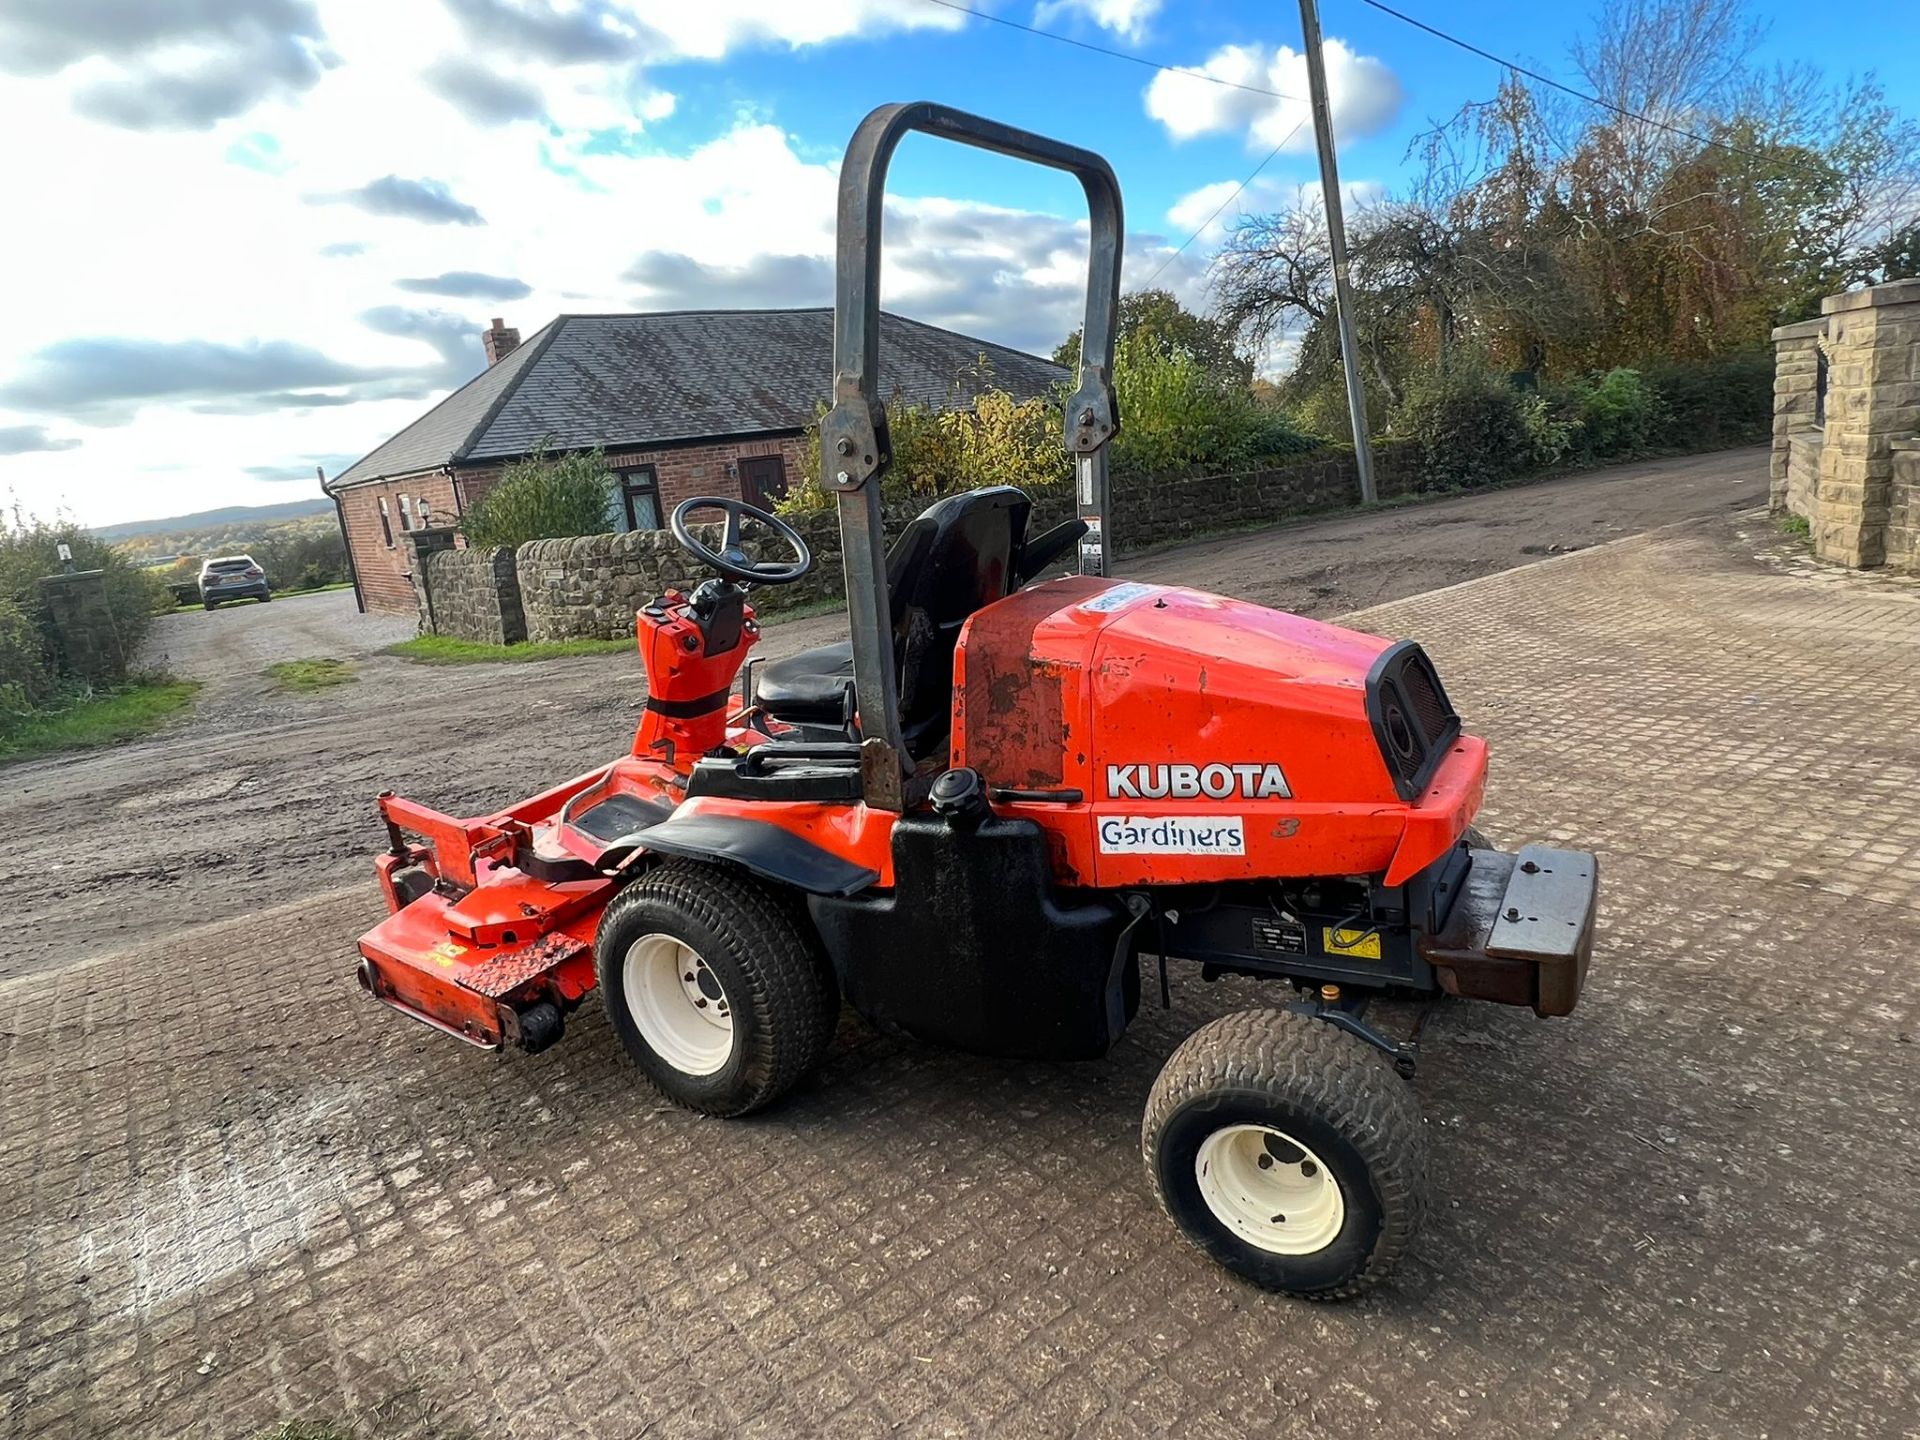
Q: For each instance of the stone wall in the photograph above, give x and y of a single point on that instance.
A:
(1859, 505)
(590, 585)
(475, 594)
(1903, 517)
(1799, 493)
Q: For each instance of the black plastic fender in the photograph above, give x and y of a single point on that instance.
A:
(759, 848)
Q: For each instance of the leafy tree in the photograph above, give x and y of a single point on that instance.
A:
(543, 498)
(1560, 241)
(1156, 319)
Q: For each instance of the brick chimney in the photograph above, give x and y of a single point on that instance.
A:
(501, 341)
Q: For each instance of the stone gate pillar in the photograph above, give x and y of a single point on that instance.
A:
(1873, 398)
(1796, 397)
(84, 630)
(427, 540)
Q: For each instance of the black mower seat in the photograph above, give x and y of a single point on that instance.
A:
(808, 688)
(962, 553)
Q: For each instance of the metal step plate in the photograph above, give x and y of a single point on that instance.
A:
(1547, 911)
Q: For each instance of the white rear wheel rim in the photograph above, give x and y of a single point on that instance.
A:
(677, 1004)
(1270, 1190)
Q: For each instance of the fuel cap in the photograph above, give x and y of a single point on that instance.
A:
(960, 796)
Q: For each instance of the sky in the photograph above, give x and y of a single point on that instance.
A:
(251, 237)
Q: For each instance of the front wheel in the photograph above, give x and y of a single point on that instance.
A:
(1289, 1151)
(716, 986)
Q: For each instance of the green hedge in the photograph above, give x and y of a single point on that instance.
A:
(1475, 428)
(29, 550)
(1728, 401)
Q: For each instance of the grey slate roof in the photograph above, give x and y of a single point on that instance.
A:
(632, 380)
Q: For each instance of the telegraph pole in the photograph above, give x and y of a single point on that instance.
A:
(1337, 243)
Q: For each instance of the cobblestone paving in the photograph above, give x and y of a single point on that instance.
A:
(233, 1192)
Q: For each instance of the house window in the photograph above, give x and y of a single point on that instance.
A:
(406, 513)
(639, 498)
(386, 523)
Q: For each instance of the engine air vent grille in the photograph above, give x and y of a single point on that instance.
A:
(1412, 718)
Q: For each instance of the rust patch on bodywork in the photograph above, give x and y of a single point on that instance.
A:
(1016, 725)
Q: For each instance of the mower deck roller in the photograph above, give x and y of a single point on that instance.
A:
(972, 820)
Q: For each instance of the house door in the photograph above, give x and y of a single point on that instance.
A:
(763, 480)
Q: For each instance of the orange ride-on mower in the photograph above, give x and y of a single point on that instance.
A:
(972, 820)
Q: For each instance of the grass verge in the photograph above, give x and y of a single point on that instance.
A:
(318, 673)
(101, 719)
(445, 650)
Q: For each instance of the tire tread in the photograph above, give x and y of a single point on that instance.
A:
(791, 990)
(1308, 1063)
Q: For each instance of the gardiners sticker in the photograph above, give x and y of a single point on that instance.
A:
(1172, 835)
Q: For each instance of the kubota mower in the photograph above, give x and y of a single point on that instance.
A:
(971, 821)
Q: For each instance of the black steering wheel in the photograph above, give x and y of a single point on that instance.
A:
(730, 559)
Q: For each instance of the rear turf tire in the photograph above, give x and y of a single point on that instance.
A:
(1289, 1151)
(771, 1003)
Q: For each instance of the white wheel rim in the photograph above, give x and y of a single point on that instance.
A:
(1288, 1205)
(677, 1004)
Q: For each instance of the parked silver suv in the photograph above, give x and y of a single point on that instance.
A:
(232, 577)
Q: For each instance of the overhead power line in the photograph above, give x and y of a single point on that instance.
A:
(1237, 190)
(1565, 89)
(1110, 54)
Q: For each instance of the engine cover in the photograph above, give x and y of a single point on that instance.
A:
(1207, 738)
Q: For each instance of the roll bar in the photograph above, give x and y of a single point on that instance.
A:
(855, 448)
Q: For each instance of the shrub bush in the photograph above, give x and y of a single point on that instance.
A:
(1704, 404)
(1551, 436)
(26, 682)
(1177, 416)
(1617, 413)
(29, 549)
(1471, 426)
(996, 441)
(543, 499)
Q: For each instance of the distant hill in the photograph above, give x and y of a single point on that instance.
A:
(223, 519)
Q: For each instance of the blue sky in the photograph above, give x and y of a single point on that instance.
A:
(273, 229)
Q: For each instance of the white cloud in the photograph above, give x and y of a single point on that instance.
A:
(708, 30)
(1262, 197)
(1363, 95)
(1128, 19)
(167, 367)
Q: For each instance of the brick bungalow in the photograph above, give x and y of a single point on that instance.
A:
(683, 403)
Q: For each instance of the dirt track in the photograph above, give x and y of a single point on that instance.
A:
(257, 799)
